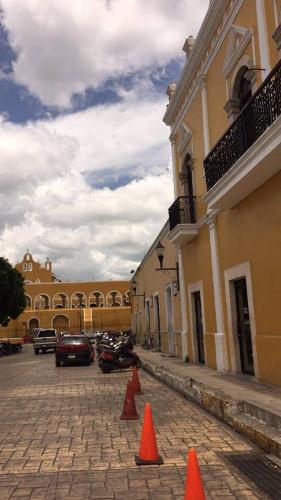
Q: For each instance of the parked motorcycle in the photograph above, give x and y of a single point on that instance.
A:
(118, 356)
(106, 339)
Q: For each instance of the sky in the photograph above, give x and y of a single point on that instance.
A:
(85, 160)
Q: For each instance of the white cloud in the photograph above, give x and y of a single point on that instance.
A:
(86, 231)
(64, 47)
(52, 172)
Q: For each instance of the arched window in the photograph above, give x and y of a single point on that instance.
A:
(96, 299)
(78, 299)
(42, 301)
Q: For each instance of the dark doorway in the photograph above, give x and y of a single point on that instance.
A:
(199, 327)
(243, 327)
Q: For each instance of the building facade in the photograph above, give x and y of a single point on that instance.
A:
(66, 306)
(225, 222)
(155, 297)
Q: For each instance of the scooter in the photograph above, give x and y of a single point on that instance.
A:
(120, 356)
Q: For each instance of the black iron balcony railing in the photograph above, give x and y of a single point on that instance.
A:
(182, 211)
(259, 113)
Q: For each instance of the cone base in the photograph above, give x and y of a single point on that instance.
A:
(131, 417)
(139, 461)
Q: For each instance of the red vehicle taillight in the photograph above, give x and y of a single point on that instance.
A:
(106, 355)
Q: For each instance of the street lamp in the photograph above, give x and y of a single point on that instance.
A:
(134, 287)
(160, 252)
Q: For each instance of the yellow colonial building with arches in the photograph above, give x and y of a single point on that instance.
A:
(66, 306)
(224, 115)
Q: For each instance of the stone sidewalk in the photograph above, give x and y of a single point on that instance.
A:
(61, 437)
(251, 407)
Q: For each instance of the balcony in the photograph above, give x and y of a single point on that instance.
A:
(182, 218)
(249, 152)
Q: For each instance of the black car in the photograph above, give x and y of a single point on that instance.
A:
(74, 348)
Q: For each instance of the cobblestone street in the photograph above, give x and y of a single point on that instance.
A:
(61, 437)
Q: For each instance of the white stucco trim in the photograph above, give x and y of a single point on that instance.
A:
(276, 16)
(263, 39)
(220, 340)
(188, 80)
(174, 165)
(154, 297)
(234, 53)
(240, 271)
(172, 349)
(183, 306)
(196, 287)
(204, 99)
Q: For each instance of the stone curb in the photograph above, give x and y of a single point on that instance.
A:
(264, 431)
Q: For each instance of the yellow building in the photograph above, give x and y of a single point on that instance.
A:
(155, 296)
(66, 306)
(225, 222)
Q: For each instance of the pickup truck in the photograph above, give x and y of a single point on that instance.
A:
(45, 340)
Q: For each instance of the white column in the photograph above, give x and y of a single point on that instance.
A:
(204, 99)
(174, 164)
(183, 305)
(263, 38)
(220, 342)
(276, 17)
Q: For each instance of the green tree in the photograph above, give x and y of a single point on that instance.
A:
(12, 296)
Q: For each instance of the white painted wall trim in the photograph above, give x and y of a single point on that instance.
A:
(276, 17)
(206, 134)
(240, 271)
(168, 290)
(188, 79)
(196, 287)
(263, 39)
(183, 306)
(220, 340)
(154, 297)
(174, 165)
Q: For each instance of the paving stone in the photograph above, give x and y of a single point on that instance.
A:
(61, 437)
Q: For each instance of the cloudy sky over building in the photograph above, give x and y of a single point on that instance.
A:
(84, 155)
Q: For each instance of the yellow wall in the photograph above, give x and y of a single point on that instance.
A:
(151, 282)
(197, 263)
(117, 318)
(250, 232)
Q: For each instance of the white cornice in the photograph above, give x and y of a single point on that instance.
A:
(203, 40)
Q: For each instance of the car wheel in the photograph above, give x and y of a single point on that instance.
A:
(36, 351)
(58, 362)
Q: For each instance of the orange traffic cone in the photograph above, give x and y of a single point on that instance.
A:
(136, 381)
(129, 410)
(193, 486)
(148, 453)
